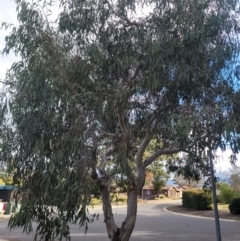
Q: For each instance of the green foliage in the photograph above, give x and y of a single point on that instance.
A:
(5, 179)
(202, 201)
(187, 199)
(122, 200)
(227, 193)
(158, 184)
(190, 170)
(160, 176)
(235, 180)
(115, 198)
(234, 206)
(95, 201)
(196, 199)
(92, 90)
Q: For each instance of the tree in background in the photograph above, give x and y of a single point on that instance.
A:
(94, 88)
(160, 176)
(156, 172)
(227, 193)
(190, 170)
(181, 181)
(5, 178)
(235, 180)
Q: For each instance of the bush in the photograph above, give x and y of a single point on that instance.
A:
(227, 194)
(95, 201)
(234, 206)
(116, 198)
(197, 199)
(187, 198)
(123, 200)
(202, 201)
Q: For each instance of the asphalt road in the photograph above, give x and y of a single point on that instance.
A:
(153, 223)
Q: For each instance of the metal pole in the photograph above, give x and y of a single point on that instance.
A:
(217, 223)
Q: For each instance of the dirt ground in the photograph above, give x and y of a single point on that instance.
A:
(208, 213)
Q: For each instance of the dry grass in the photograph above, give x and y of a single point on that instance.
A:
(223, 212)
(223, 207)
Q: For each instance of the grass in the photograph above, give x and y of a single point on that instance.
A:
(95, 201)
(223, 207)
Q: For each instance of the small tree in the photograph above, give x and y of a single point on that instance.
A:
(160, 176)
(227, 193)
(235, 180)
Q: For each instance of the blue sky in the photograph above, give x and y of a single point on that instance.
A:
(8, 14)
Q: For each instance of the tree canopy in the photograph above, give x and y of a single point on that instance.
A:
(93, 88)
(235, 180)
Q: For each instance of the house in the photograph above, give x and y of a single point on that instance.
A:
(148, 192)
(171, 191)
(5, 193)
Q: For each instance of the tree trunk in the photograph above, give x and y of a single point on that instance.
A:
(129, 223)
(107, 209)
(123, 233)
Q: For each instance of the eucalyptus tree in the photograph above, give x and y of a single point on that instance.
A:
(95, 87)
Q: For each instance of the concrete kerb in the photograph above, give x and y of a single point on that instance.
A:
(2, 216)
(195, 216)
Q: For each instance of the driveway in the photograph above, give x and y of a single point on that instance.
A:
(153, 223)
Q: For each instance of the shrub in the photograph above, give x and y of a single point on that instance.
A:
(202, 201)
(197, 199)
(116, 198)
(227, 194)
(123, 200)
(95, 201)
(234, 206)
(187, 198)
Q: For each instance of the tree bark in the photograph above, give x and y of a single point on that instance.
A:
(123, 233)
(129, 223)
(112, 228)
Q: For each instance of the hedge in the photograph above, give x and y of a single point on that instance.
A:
(197, 199)
(234, 206)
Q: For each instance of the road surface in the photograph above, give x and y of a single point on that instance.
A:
(153, 223)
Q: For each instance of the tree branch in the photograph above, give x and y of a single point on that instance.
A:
(121, 122)
(125, 18)
(135, 73)
(149, 134)
(159, 153)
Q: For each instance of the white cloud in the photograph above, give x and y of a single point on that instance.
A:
(222, 160)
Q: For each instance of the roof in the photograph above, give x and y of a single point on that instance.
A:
(167, 187)
(148, 187)
(7, 188)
